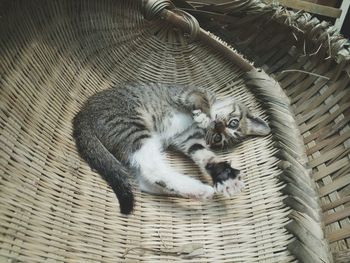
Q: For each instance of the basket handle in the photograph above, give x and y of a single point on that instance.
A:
(165, 9)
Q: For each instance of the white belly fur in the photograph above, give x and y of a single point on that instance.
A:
(176, 124)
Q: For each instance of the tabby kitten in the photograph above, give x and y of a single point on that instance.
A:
(124, 131)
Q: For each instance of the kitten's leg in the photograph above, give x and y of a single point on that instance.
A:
(195, 99)
(225, 178)
(146, 186)
(198, 102)
(156, 173)
(202, 119)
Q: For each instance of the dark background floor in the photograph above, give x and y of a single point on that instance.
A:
(345, 30)
(346, 26)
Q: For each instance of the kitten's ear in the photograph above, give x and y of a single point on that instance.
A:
(257, 126)
(211, 96)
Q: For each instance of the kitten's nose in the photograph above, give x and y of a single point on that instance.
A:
(219, 126)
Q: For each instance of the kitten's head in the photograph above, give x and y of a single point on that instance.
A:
(232, 122)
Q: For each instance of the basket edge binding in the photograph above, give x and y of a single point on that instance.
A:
(300, 24)
(309, 244)
(309, 66)
(325, 56)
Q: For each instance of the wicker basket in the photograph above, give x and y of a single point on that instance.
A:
(55, 54)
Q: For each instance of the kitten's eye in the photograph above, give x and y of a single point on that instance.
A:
(233, 124)
(217, 138)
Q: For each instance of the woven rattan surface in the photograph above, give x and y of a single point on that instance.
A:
(312, 63)
(54, 55)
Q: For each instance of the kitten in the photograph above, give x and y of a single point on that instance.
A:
(125, 130)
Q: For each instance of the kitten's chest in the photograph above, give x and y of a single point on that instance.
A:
(174, 124)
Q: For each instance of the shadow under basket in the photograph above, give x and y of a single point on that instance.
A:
(55, 54)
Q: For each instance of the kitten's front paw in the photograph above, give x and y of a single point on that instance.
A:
(226, 179)
(201, 119)
(202, 193)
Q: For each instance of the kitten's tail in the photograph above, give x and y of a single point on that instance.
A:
(99, 158)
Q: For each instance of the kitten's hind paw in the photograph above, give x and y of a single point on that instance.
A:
(229, 187)
(201, 119)
(227, 180)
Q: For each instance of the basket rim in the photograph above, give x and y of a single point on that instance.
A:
(312, 247)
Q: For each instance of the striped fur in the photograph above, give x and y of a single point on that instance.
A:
(125, 130)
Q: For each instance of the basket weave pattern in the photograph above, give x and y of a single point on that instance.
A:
(56, 54)
(311, 61)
